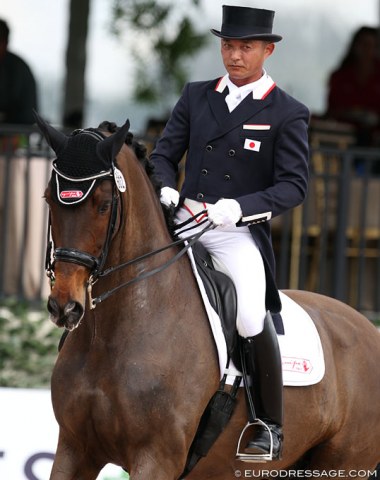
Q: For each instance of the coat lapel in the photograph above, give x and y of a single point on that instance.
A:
(226, 121)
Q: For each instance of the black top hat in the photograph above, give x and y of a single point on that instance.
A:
(247, 23)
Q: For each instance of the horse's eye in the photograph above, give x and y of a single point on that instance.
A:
(104, 207)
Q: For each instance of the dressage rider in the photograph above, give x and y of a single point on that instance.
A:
(247, 162)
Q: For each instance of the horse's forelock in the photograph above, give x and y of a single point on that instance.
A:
(138, 148)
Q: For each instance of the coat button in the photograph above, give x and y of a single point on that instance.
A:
(204, 171)
(209, 148)
(227, 177)
(200, 196)
(231, 152)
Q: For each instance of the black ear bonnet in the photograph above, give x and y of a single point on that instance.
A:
(83, 158)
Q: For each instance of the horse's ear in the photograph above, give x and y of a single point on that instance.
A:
(111, 146)
(56, 139)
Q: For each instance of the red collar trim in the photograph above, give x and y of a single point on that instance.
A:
(221, 85)
(268, 91)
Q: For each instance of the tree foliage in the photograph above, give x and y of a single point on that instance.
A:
(162, 38)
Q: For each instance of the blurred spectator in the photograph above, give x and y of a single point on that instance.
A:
(354, 88)
(18, 94)
(22, 177)
(354, 91)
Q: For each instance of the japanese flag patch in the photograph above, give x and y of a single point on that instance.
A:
(253, 145)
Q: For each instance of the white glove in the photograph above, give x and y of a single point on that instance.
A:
(225, 212)
(169, 196)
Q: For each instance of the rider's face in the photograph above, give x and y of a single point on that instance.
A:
(244, 59)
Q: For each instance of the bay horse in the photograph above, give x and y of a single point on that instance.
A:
(135, 374)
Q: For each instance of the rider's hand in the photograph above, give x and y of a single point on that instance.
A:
(225, 212)
(169, 196)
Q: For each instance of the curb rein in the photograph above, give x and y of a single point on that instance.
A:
(187, 241)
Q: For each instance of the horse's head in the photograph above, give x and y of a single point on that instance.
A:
(82, 195)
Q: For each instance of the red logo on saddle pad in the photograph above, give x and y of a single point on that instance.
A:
(71, 194)
(293, 364)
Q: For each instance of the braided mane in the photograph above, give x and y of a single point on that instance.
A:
(140, 152)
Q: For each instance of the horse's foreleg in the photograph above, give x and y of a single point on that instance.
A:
(69, 464)
(153, 464)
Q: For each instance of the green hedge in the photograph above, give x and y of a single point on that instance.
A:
(28, 345)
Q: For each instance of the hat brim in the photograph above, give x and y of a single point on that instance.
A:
(271, 37)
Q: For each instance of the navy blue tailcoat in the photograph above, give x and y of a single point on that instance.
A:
(257, 154)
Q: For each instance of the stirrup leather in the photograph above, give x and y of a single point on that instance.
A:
(254, 457)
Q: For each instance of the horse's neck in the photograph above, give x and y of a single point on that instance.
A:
(167, 305)
(144, 230)
(143, 226)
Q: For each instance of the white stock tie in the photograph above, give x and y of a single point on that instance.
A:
(233, 99)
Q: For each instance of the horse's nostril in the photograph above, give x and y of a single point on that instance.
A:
(72, 315)
(52, 307)
(68, 316)
(73, 310)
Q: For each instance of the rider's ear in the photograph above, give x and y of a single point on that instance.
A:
(56, 139)
(111, 146)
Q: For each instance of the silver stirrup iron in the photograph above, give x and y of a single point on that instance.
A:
(255, 457)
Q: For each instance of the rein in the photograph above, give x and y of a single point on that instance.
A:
(191, 239)
(95, 264)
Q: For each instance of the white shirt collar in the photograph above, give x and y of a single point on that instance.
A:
(259, 89)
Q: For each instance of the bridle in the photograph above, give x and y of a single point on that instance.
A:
(79, 257)
(72, 255)
(96, 264)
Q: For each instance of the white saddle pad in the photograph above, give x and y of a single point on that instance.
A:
(301, 349)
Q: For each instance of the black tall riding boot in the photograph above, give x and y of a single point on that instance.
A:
(264, 364)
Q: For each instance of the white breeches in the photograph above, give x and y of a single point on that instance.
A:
(235, 252)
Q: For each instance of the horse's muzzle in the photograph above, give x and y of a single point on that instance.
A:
(68, 316)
